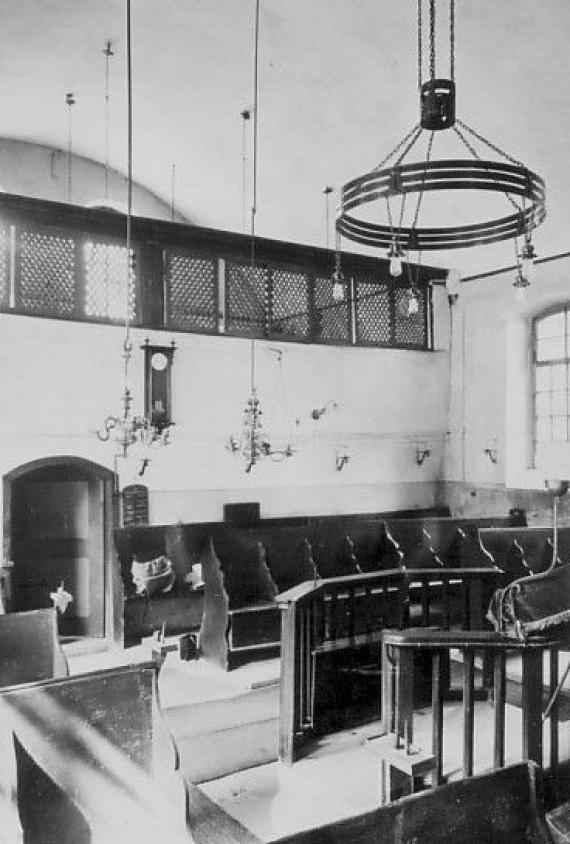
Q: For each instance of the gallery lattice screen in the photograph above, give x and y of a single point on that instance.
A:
(192, 292)
(46, 273)
(106, 296)
(198, 281)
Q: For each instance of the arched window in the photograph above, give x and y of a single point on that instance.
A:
(551, 377)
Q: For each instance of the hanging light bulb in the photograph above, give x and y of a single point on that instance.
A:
(413, 304)
(527, 259)
(338, 293)
(337, 278)
(395, 255)
(409, 304)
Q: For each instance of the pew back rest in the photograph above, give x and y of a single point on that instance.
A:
(30, 650)
(501, 807)
(535, 544)
(332, 551)
(372, 547)
(238, 555)
(287, 554)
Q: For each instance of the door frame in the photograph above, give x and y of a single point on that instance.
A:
(113, 595)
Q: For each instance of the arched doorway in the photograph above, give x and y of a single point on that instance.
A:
(58, 530)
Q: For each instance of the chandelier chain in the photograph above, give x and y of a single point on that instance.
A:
(420, 54)
(432, 38)
(452, 39)
(476, 155)
(489, 143)
(415, 131)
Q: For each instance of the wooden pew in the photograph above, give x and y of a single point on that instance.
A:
(179, 609)
(500, 807)
(30, 649)
(240, 619)
(287, 554)
(521, 551)
(87, 759)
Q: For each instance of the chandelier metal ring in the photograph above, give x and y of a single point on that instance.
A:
(442, 175)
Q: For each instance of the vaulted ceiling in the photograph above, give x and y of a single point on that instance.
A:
(337, 90)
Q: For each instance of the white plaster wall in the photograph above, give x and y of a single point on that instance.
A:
(31, 169)
(62, 378)
(491, 381)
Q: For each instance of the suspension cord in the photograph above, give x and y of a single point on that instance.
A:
(127, 346)
(254, 168)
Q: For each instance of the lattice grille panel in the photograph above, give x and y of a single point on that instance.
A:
(106, 269)
(373, 313)
(46, 276)
(192, 292)
(290, 304)
(4, 277)
(246, 288)
(410, 330)
(331, 319)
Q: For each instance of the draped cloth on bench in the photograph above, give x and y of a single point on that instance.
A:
(538, 604)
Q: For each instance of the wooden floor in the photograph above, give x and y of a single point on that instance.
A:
(339, 778)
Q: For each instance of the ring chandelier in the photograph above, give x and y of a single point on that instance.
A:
(524, 189)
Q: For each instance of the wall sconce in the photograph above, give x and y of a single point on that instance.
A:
(491, 453)
(421, 454)
(320, 411)
(341, 459)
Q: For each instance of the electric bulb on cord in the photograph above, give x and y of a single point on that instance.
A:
(527, 260)
(395, 256)
(338, 286)
(413, 304)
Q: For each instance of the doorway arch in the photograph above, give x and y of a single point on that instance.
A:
(58, 526)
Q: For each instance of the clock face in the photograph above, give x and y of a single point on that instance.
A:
(159, 361)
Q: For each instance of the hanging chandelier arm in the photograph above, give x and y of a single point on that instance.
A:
(475, 155)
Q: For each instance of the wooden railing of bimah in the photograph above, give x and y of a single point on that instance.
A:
(400, 648)
(350, 613)
(327, 616)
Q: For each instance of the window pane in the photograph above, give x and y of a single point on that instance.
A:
(559, 375)
(559, 427)
(551, 348)
(543, 429)
(542, 404)
(543, 377)
(551, 326)
(559, 404)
